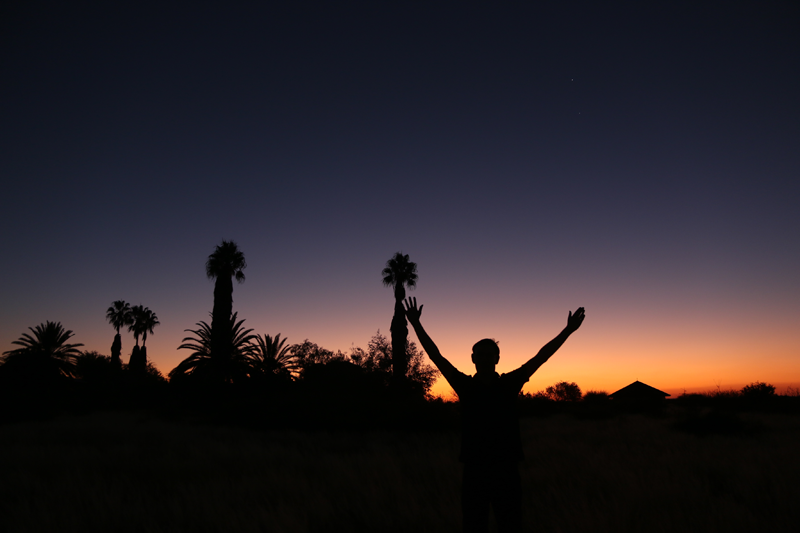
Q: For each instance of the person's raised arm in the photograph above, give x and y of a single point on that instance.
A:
(413, 313)
(573, 323)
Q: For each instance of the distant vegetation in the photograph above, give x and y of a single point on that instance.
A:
(161, 454)
(227, 362)
(225, 357)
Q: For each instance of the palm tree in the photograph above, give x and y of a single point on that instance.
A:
(225, 263)
(270, 355)
(46, 352)
(399, 273)
(144, 321)
(230, 366)
(145, 324)
(118, 315)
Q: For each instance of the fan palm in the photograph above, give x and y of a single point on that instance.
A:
(137, 312)
(399, 273)
(225, 263)
(270, 355)
(46, 351)
(119, 316)
(143, 322)
(228, 366)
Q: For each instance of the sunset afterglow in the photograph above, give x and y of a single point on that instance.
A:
(640, 165)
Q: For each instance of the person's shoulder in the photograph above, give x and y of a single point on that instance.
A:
(461, 376)
(458, 380)
(518, 376)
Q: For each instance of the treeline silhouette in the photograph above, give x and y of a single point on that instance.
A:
(236, 376)
(230, 371)
(273, 383)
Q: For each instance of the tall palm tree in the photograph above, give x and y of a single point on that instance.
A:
(144, 321)
(119, 316)
(45, 352)
(231, 366)
(270, 355)
(399, 273)
(225, 263)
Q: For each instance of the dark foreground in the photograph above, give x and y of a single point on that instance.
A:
(137, 471)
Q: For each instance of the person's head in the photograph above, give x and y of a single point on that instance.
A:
(485, 355)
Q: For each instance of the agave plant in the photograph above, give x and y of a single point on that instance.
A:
(45, 352)
(231, 364)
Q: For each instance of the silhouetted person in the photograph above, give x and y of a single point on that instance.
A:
(491, 447)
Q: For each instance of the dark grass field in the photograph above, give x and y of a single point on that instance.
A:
(129, 471)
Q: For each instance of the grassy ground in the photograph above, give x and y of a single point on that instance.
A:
(133, 472)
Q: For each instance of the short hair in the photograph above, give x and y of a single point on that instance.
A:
(487, 346)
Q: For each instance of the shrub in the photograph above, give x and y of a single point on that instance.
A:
(594, 396)
(564, 391)
(758, 390)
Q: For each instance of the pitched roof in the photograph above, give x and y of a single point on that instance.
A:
(637, 388)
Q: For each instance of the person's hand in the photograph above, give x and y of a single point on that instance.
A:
(412, 313)
(575, 321)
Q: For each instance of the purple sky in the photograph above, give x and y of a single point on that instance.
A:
(642, 162)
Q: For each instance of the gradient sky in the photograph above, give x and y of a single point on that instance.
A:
(642, 162)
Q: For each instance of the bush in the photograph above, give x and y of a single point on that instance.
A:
(564, 391)
(594, 396)
(93, 367)
(758, 390)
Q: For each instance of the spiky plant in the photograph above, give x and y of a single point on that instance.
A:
(271, 355)
(229, 365)
(45, 351)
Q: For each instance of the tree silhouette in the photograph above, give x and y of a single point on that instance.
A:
(231, 365)
(564, 391)
(93, 367)
(309, 354)
(270, 355)
(119, 316)
(225, 263)
(399, 274)
(758, 390)
(378, 359)
(45, 353)
(144, 321)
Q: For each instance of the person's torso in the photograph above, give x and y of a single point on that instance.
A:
(490, 423)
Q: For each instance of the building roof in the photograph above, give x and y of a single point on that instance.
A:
(638, 389)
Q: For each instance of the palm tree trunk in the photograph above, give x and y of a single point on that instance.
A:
(221, 315)
(135, 362)
(399, 331)
(116, 351)
(142, 360)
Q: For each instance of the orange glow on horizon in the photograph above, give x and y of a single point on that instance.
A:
(667, 346)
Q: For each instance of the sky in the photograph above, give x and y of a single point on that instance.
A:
(640, 161)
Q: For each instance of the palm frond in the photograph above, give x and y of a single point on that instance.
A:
(271, 355)
(48, 343)
(230, 365)
(143, 321)
(226, 260)
(119, 314)
(400, 271)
